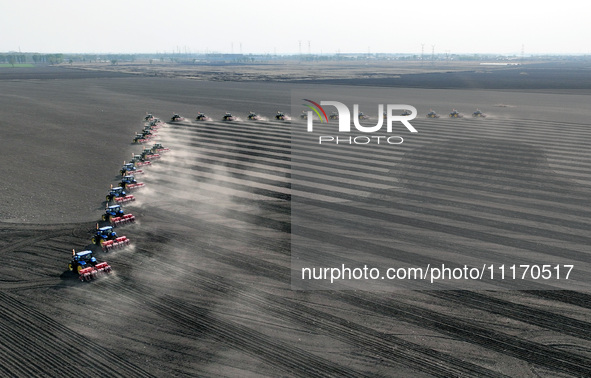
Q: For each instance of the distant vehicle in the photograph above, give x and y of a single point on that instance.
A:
(202, 117)
(281, 116)
(333, 115)
(159, 148)
(155, 123)
(139, 160)
(432, 114)
(116, 216)
(86, 266)
(140, 138)
(304, 115)
(478, 113)
(148, 154)
(176, 118)
(406, 112)
(228, 117)
(455, 114)
(149, 117)
(362, 116)
(252, 116)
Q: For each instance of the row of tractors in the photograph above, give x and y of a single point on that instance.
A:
(83, 263)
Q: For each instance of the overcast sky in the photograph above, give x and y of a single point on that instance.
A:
(133, 26)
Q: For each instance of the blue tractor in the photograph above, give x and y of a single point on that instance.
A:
(116, 216)
(108, 239)
(86, 266)
(118, 195)
(129, 168)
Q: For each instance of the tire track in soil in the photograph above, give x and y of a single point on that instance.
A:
(290, 359)
(40, 335)
(531, 352)
(388, 348)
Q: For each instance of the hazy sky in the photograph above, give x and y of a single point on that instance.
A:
(134, 26)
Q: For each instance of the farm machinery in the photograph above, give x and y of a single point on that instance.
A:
(228, 117)
(129, 168)
(115, 215)
(202, 117)
(252, 116)
(119, 196)
(280, 116)
(159, 148)
(86, 266)
(455, 114)
(478, 114)
(128, 182)
(432, 114)
(108, 240)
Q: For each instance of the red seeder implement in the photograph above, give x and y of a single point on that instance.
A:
(92, 272)
(119, 221)
(120, 242)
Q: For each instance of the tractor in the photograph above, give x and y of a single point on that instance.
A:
(478, 114)
(228, 117)
(119, 196)
(116, 216)
(139, 138)
(455, 114)
(334, 115)
(108, 239)
(159, 148)
(280, 116)
(176, 118)
(129, 168)
(147, 154)
(128, 182)
(138, 160)
(85, 265)
(252, 116)
(202, 117)
(432, 114)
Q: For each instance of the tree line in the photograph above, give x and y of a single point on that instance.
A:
(19, 58)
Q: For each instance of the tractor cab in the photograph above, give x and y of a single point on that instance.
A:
(333, 115)
(118, 192)
(175, 118)
(280, 116)
(128, 167)
(432, 114)
(129, 179)
(455, 114)
(83, 258)
(201, 117)
(113, 211)
(149, 117)
(105, 233)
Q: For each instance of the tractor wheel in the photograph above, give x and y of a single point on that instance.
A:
(70, 267)
(94, 240)
(104, 217)
(79, 268)
(108, 198)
